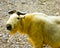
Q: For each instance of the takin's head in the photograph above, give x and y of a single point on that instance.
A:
(14, 21)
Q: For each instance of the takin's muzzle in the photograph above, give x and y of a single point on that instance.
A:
(9, 27)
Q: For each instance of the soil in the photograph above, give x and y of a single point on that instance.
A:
(49, 7)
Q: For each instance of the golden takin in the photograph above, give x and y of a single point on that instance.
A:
(40, 28)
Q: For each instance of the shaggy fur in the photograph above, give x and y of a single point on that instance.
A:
(39, 27)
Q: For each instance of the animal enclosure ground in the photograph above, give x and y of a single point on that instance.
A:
(49, 7)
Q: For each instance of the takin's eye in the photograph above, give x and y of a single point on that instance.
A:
(18, 18)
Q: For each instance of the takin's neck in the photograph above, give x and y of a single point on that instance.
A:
(25, 24)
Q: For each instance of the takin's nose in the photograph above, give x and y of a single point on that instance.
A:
(9, 27)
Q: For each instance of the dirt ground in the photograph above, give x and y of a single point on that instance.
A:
(49, 7)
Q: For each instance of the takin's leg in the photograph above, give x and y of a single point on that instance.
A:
(56, 46)
(35, 34)
(36, 43)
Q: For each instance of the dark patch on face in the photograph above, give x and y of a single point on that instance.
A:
(11, 12)
(20, 13)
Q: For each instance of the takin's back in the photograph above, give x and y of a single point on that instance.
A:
(51, 28)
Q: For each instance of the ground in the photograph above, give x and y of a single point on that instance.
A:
(49, 7)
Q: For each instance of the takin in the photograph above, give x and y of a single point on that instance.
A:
(40, 28)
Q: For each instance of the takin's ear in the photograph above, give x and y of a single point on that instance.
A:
(20, 13)
(11, 12)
